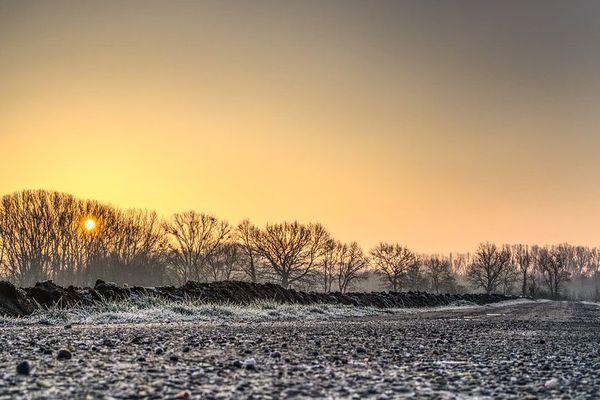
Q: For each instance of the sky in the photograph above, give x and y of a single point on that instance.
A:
(434, 124)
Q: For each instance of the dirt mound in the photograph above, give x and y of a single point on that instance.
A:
(13, 301)
(18, 302)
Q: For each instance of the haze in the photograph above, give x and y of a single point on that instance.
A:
(438, 125)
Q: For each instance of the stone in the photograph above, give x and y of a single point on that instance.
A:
(23, 368)
(64, 354)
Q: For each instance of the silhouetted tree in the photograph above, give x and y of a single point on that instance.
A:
(489, 267)
(342, 266)
(352, 266)
(193, 238)
(131, 249)
(328, 263)
(415, 278)
(43, 238)
(225, 262)
(553, 264)
(292, 250)
(439, 272)
(252, 268)
(522, 259)
(392, 262)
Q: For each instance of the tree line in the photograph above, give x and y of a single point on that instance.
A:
(43, 236)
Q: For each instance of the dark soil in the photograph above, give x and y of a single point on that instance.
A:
(20, 302)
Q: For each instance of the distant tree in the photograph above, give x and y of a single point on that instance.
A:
(193, 239)
(581, 258)
(292, 250)
(460, 263)
(553, 264)
(3, 272)
(132, 249)
(508, 278)
(352, 266)
(415, 278)
(523, 260)
(342, 266)
(43, 237)
(225, 262)
(328, 264)
(25, 225)
(439, 272)
(392, 262)
(252, 267)
(489, 267)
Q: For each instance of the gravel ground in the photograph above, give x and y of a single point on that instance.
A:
(532, 350)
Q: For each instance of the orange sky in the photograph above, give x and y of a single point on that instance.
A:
(437, 126)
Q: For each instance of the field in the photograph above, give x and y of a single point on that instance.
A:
(515, 349)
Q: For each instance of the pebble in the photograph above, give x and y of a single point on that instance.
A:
(551, 383)
(250, 363)
(64, 354)
(184, 394)
(23, 368)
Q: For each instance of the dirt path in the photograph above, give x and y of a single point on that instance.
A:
(532, 350)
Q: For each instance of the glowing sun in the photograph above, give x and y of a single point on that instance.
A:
(89, 224)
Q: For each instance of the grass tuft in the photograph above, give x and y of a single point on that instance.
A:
(151, 309)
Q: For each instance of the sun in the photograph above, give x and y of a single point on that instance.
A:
(89, 224)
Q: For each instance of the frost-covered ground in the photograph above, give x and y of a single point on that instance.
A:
(514, 350)
(153, 309)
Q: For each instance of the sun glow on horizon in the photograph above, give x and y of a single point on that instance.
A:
(89, 224)
(425, 123)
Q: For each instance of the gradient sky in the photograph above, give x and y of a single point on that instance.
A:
(434, 124)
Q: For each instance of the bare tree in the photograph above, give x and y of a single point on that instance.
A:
(460, 263)
(252, 267)
(489, 267)
(24, 225)
(131, 249)
(509, 277)
(3, 269)
(225, 262)
(553, 264)
(292, 250)
(522, 259)
(392, 262)
(194, 237)
(439, 272)
(415, 278)
(44, 238)
(328, 264)
(352, 266)
(342, 265)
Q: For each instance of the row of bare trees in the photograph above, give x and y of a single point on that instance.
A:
(42, 236)
(561, 271)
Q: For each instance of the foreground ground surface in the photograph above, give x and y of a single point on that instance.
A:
(531, 350)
